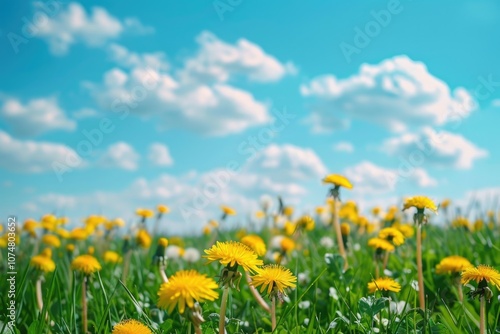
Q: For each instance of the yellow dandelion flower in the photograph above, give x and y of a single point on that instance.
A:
(319, 210)
(381, 244)
(260, 214)
(30, 226)
(478, 224)
(393, 235)
(228, 210)
(384, 284)
(91, 250)
(144, 213)
(86, 264)
(206, 229)
(452, 264)
(112, 257)
(118, 222)
(445, 204)
(43, 261)
(213, 223)
(420, 202)
(163, 209)
(376, 211)
(289, 228)
(461, 222)
(287, 245)
(480, 273)
(130, 326)
(79, 233)
(306, 222)
(143, 238)
(288, 211)
(163, 242)
(338, 181)
(274, 278)
(256, 243)
(345, 229)
(49, 222)
(184, 288)
(233, 253)
(407, 230)
(176, 241)
(51, 240)
(65, 234)
(70, 248)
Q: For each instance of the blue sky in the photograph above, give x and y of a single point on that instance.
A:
(403, 97)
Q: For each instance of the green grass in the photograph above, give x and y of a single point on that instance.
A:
(353, 310)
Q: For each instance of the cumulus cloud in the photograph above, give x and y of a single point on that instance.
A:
(34, 117)
(31, 156)
(219, 61)
(370, 179)
(343, 146)
(195, 197)
(286, 163)
(398, 94)
(442, 149)
(72, 24)
(159, 155)
(120, 155)
(196, 97)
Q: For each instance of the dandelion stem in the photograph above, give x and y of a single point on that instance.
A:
(338, 232)
(161, 269)
(222, 317)
(39, 299)
(482, 315)
(256, 294)
(421, 295)
(197, 329)
(460, 293)
(126, 265)
(386, 260)
(84, 304)
(273, 313)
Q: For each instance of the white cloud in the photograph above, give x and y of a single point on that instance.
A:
(30, 156)
(443, 149)
(397, 94)
(343, 146)
(85, 113)
(72, 24)
(219, 61)
(495, 103)
(126, 58)
(286, 163)
(195, 97)
(159, 155)
(195, 197)
(34, 117)
(120, 155)
(369, 179)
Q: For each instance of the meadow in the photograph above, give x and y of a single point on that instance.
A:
(334, 270)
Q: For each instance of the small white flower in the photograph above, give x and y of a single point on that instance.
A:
(333, 293)
(387, 272)
(276, 242)
(191, 255)
(326, 242)
(303, 278)
(385, 322)
(376, 330)
(347, 289)
(414, 285)
(398, 307)
(306, 321)
(325, 218)
(286, 299)
(304, 304)
(328, 258)
(356, 247)
(173, 252)
(407, 271)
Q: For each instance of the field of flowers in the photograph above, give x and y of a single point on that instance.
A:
(395, 270)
